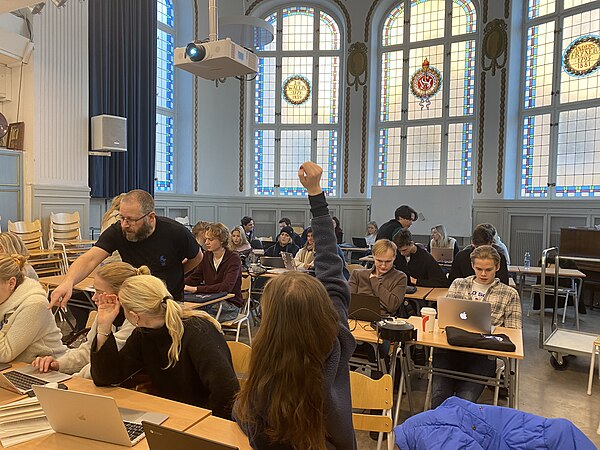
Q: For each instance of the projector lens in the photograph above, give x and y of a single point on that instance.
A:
(195, 52)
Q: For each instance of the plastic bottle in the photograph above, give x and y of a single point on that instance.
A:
(527, 261)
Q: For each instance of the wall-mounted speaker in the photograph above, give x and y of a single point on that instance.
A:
(109, 134)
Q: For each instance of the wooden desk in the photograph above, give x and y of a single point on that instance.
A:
(420, 294)
(436, 293)
(536, 271)
(194, 305)
(181, 417)
(85, 285)
(221, 430)
(363, 332)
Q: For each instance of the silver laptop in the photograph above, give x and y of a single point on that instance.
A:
(21, 380)
(93, 416)
(288, 261)
(442, 254)
(163, 438)
(469, 315)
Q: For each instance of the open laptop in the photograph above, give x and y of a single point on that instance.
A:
(288, 261)
(469, 315)
(364, 307)
(93, 416)
(359, 242)
(163, 438)
(442, 254)
(22, 379)
(275, 262)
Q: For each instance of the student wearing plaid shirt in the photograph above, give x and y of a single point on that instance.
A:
(506, 312)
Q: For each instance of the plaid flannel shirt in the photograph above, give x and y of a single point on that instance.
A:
(506, 305)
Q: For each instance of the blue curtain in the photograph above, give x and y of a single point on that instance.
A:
(122, 64)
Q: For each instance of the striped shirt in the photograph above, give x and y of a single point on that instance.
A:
(506, 305)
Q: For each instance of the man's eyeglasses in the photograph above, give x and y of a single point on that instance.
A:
(130, 221)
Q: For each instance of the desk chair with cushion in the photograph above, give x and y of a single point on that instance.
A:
(373, 394)
(240, 356)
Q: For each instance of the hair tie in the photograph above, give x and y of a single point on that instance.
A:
(165, 298)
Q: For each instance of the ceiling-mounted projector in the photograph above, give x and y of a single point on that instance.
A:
(216, 59)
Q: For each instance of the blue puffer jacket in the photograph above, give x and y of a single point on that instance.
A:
(460, 424)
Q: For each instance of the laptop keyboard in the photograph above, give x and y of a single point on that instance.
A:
(23, 381)
(134, 430)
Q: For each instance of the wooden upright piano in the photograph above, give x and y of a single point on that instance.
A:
(584, 242)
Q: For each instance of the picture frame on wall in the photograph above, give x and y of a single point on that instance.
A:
(16, 136)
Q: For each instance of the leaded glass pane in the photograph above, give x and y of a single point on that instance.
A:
(297, 114)
(165, 13)
(264, 91)
(298, 28)
(327, 151)
(264, 162)
(164, 69)
(535, 158)
(539, 65)
(393, 28)
(464, 17)
(573, 89)
(427, 19)
(329, 69)
(389, 163)
(271, 46)
(329, 33)
(164, 153)
(295, 149)
(578, 163)
(426, 108)
(539, 8)
(423, 152)
(462, 78)
(391, 86)
(573, 3)
(460, 151)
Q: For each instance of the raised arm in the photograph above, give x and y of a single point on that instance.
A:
(328, 265)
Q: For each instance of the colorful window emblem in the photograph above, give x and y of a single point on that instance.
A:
(582, 56)
(425, 83)
(296, 89)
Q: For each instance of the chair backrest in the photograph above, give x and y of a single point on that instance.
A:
(240, 356)
(64, 227)
(29, 232)
(352, 267)
(298, 230)
(246, 287)
(371, 394)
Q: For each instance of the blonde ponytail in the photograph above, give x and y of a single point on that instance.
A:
(12, 266)
(115, 273)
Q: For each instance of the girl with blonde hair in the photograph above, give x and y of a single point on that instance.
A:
(297, 395)
(28, 328)
(12, 244)
(239, 241)
(440, 239)
(183, 351)
(107, 282)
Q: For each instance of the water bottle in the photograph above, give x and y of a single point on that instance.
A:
(527, 261)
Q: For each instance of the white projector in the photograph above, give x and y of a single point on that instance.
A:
(216, 59)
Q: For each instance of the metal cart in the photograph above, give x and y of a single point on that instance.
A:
(561, 342)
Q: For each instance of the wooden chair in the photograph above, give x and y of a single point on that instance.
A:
(244, 315)
(45, 262)
(373, 394)
(240, 356)
(65, 232)
(595, 350)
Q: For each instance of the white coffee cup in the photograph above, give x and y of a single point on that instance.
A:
(428, 319)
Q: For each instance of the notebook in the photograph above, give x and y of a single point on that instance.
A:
(466, 314)
(163, 438)
(21, 380)
(93, 416)
(442, 254)
(364, 307)
(359, 242)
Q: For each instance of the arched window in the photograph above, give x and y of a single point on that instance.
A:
(165, 111)
(561, 100)
(296, 106)
(426, 101)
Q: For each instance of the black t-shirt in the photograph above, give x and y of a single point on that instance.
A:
(388, 229)
(162, 251)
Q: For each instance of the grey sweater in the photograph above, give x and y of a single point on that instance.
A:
(336, 373)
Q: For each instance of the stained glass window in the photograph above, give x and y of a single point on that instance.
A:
(413, 54)
(165, 83)
(561, 109)
(287, 132)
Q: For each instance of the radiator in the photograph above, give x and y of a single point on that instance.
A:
(531, 241)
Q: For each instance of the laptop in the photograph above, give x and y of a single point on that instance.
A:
(469, 315)
(93, 416)
(22, 379)
(442, 254)
(163, 438)
(359, 242)
(364, 307)
(288, 261)
(275, 262)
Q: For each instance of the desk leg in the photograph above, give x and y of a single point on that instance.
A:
(513, 387)
(521, 283)
(516, 395)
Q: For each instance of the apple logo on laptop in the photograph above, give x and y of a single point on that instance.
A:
(463, 315)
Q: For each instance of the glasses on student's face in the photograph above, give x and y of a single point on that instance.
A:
(129, 220)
